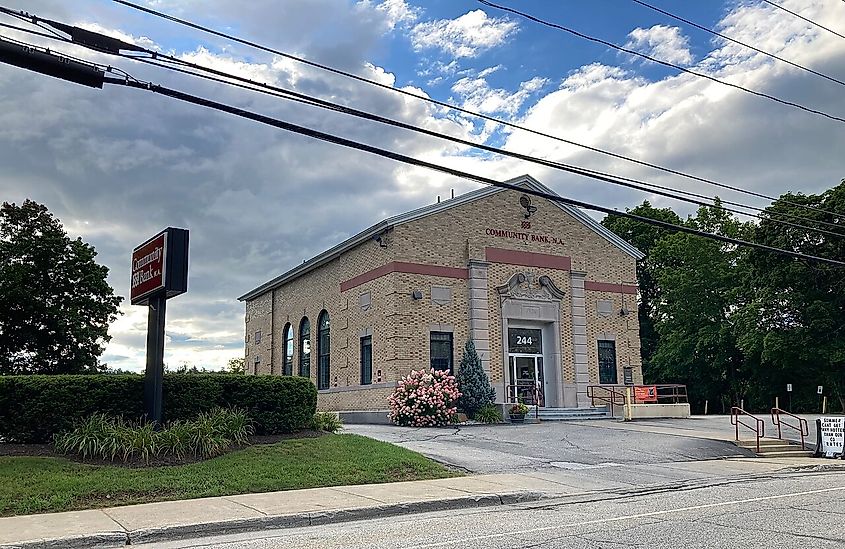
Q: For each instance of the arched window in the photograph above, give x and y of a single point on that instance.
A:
(305, 348)
(287, 365)
(323, 352)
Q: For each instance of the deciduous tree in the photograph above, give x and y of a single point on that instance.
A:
(55, 303)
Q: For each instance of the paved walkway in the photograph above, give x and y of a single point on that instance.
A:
(573, 444)
(160, 522)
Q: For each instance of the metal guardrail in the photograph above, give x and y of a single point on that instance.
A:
(759, 427)
(803, 428)
(614, 395)
(670, 392)
(609, 394)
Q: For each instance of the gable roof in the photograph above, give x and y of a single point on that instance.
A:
(367, 234)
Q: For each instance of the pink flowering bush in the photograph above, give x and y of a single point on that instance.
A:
(424, 398)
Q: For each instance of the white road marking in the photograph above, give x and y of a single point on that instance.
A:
(625, 517)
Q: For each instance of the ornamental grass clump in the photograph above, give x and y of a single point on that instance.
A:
(102, 437)
(425, 398)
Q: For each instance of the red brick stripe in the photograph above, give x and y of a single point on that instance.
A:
(528, 259)
(403, 267)
(610, 287)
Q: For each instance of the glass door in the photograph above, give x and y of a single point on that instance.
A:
(526, 379)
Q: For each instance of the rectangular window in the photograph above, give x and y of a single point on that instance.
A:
(257, 338)
(607, 362)
(366, 360)
(441, 351)
(256, 364)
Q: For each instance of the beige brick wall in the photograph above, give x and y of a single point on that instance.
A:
(624, 330)
(400, 325)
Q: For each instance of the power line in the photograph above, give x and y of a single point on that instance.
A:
(323, 136)
(115, 46)
(330, 138)
(799, 16)
(456, 108)
(660, 61)
(735, 41)
(577, 170)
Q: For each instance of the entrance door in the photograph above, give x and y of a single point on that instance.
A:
(526, 379)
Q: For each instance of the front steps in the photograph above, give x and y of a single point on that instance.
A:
(775, 448)
(570, 414)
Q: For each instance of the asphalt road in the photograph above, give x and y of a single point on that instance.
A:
(559, 445)
(788, 509)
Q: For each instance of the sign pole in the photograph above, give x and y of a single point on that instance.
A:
(159, 272)
(155, 358)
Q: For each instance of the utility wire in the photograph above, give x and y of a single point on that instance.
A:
(456, 108)
(315, 134)
(735, 41)
(660, 61)
(161, 60)
(327, 137)
(282, 93)
(799, 16)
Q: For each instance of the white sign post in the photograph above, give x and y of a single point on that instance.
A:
(831, 437)
(820, 390)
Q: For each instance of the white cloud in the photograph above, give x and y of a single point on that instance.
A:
(661, 42)
(258, 201)
(467, 36)
(398, 13)
(477, 95)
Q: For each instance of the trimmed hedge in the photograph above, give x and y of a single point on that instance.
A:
(34, 408)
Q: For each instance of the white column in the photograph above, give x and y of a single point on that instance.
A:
(479, 318)
(579, 339)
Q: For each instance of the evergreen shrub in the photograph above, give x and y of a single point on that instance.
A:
(476, 391)
(35, 408)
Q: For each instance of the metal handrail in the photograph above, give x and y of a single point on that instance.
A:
(803, 428)
(513, 390)
(538, 399)
(612, 397)
(759, 428)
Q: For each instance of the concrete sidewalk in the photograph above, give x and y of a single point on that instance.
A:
(160, 522)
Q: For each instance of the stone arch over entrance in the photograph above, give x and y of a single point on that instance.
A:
(531, 304)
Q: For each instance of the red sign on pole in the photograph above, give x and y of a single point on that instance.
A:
(148, 268)
(645, 393)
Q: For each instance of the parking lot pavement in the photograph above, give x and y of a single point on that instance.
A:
(554, 445)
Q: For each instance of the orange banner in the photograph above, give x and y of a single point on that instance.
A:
(645, 393)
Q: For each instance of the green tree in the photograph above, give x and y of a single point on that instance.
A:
(236, 366)
(645, 237)
(55, 303)
(473, 382)
(797, 320)
(702, 290)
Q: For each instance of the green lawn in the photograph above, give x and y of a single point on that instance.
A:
(46, 484)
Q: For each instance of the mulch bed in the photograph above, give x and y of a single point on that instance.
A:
(46, 450)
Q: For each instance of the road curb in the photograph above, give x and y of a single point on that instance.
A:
(85, 541)
(313, 518)
(275, 522)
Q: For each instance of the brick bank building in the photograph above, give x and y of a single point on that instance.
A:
(547, 294)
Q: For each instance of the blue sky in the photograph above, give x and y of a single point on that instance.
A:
(259, 201)
(537, 50)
